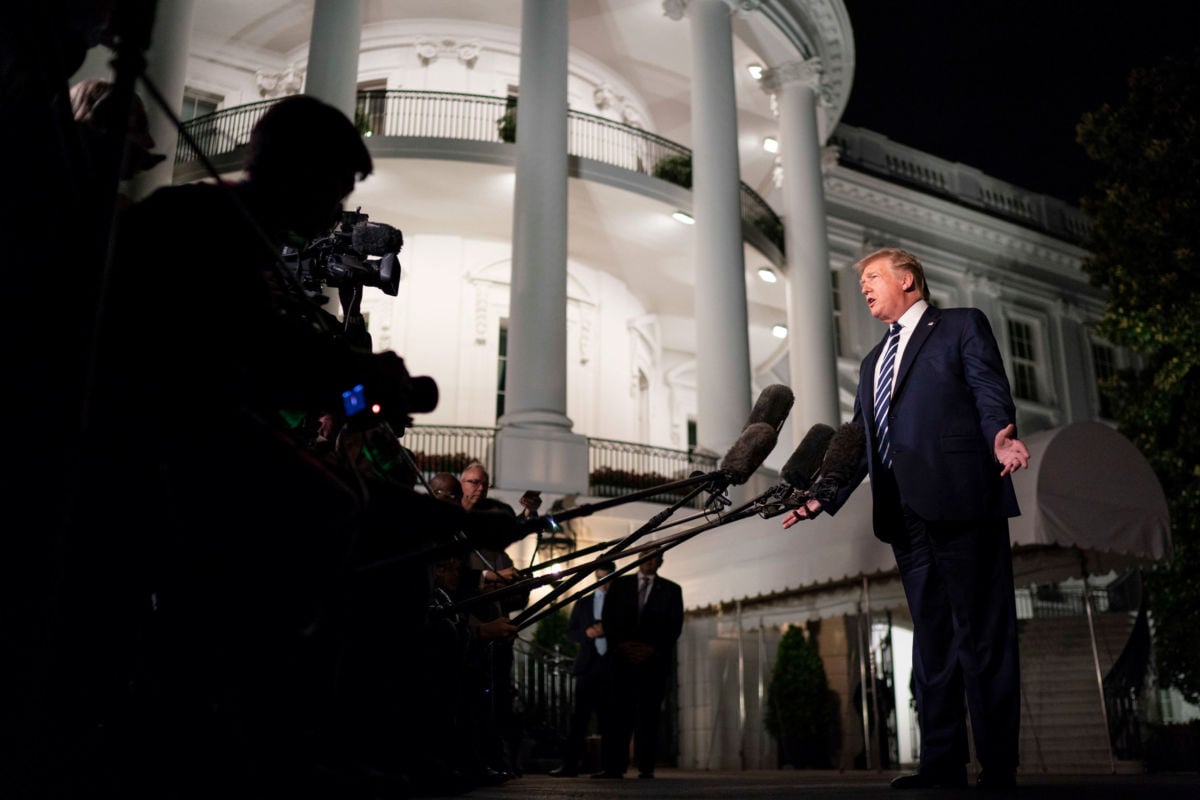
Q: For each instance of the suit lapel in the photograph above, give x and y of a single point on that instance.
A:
(866, 380)
(920, 335)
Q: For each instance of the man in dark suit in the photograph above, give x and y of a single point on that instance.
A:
(940, 427)
(592, 674)
(643, 616)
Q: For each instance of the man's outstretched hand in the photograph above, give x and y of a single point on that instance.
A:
(1010, 451)
(807, 511)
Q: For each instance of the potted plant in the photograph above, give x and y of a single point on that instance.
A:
(675, 168)
(801, 712)
(506, 125)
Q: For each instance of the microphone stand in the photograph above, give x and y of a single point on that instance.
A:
(574, 554)
(650, 525)
(588, 509)
(745, 511)
(531, 583)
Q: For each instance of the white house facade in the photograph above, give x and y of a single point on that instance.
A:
(565, 311)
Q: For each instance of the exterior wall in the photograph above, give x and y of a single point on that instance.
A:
(445, 322)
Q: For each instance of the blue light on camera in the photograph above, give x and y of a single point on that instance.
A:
(354, 400)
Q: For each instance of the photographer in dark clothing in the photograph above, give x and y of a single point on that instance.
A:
(205, 596)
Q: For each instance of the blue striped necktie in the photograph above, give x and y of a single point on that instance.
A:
(883, 395)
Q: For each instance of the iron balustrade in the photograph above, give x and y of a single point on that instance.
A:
(1123, 689)
(615, 468)
(449, 448)
(221, 131)
(618, 468)
(544, 686)
(482, 118)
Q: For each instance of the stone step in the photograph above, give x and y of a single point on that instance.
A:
(1069, 721)
(1062, 725)
(1031, 768)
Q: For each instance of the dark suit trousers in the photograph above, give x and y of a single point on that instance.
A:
(638, 692)
(592, 696)
(958, 581)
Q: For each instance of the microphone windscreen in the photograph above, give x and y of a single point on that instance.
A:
(749, 452)
(844, 454)
(772, 406)
(800, 470)
(376, 238)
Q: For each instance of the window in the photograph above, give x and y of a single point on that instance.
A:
(501, 368)
(691, 442)
(198, 104)
(1104, 362)
(370, 114)
(1022, 348)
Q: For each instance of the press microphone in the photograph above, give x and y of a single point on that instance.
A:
(801, 469)
(376, 238)
(798, 472)
(748, 453)
(772, 406)
(841, 462)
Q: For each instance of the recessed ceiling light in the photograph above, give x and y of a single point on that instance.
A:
(683, 217)
(771, 144)
(779, 331)
(768, 275)
(756, 71)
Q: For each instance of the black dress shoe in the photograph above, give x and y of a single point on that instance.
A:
(607, 774)
(992, 779)
(495, 777)
(564, 772)
(646, 775)
(932, 779)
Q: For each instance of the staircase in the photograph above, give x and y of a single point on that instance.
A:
(1063, 729)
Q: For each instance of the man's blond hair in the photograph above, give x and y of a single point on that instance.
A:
(901, 260)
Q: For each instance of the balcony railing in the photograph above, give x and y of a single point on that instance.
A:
(619, 468)
(615, 468)
(449, 448)
(483, 118)
(545, 686)
(874, 153)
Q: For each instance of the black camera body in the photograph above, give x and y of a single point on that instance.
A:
(356, 253)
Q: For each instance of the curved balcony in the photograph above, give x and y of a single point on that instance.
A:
(433, 122)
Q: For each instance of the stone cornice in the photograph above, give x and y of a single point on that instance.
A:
(967, 226)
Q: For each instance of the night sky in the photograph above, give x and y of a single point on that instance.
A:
(1001, 85)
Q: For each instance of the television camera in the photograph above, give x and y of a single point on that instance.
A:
(356, 253)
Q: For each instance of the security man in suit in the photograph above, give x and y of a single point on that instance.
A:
(940, 428)
(643, 616)
(593, 677)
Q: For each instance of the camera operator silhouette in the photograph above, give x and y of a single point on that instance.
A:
(206, 601)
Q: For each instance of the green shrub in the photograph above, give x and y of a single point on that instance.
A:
(506, 125)
(675, 168)
(802, 712)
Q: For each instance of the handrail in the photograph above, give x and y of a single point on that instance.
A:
(486, 118)
(1123, 686)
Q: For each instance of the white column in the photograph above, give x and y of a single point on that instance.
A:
(812, 360)
(723, 386)
(332, 71)
(166, 68)
(535, 446)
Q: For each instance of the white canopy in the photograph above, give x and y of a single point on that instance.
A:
(1089, 500)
